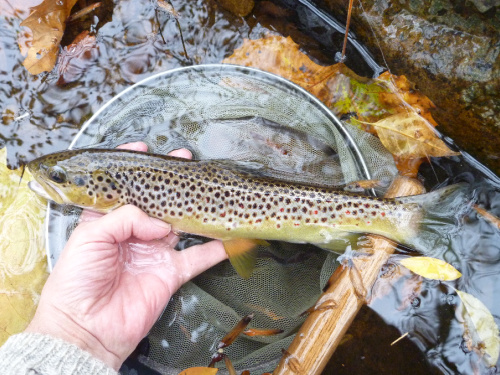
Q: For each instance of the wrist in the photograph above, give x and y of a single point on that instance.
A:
(55, 323)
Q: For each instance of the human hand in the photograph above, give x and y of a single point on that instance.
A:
(113, 279)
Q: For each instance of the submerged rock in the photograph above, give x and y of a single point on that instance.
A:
(451, 50)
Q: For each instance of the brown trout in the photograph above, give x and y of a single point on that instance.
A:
(220, 200)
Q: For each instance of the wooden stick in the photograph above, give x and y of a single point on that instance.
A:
(349, 12)
(323, 330)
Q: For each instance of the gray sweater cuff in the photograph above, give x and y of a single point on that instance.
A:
(33, 353)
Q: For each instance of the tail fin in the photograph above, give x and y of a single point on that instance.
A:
(443, 213)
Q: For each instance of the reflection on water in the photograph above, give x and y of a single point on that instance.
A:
(43, 113)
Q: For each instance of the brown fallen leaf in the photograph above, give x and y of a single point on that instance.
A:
(76, 58)
(345, 92)
(410, 136)
(490, 217)
(240, 8)
(408, 167)
(47, 22)
(235, 332)
(281, 56)
(362, 185)
(83, 12)
(261, 332)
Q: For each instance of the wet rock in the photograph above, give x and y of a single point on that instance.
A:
(450, 49)
(485, 5)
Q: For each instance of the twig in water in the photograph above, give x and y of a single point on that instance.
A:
(346, 30)
(159, 27)
(401, 338)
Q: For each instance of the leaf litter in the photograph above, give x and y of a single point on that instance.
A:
(47, 21)
(388, 106)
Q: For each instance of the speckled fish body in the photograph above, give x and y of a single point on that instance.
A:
(212, 199)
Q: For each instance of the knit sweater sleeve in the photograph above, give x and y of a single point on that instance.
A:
(33, 353)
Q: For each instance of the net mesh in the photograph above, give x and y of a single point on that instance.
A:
(237, 113)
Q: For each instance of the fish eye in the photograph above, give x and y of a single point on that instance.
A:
(57, 174)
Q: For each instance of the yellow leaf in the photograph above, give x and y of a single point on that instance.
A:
(431, 268)
(47, 21)
(410, 136)
(199, 371)
(23, 267)
(480, 328)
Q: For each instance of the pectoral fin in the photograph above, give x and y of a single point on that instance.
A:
(242, 253)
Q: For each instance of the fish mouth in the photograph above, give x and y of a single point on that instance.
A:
(45, 191)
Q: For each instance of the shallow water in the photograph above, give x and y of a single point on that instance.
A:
(43, 113)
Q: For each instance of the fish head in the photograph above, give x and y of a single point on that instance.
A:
(75, 177)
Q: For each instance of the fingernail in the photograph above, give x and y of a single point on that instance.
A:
(160, 223)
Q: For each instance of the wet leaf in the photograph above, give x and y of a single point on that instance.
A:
(361, 185)
(408, 167)
(47, 21)
(280, 56)
(488, 216)
(410, 136)
(261, 332)
(431, 268)
(167, 7)
(240, 8)
(480, 328)
(199, 371)
(76, 58)
(83, 12)
(345, 92)
(237, 330)
(22, 252)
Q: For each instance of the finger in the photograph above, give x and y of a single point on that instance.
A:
(181, 153)
(134, 146)
(88, 215)
(125, 222)
(199, 258)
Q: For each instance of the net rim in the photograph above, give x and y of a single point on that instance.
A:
(201, 69)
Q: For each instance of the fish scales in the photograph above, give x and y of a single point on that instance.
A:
(212, 199)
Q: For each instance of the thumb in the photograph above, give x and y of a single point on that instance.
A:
(125, 222)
